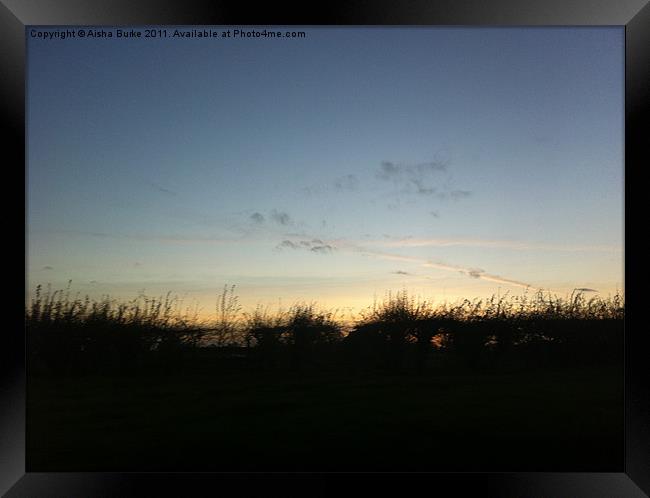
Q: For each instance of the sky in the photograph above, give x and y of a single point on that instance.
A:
(450, 162)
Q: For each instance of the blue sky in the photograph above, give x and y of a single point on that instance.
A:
(452, 162)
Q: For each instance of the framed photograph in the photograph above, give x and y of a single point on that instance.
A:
(382, 243)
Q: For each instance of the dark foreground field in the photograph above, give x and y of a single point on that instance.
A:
(521, 384)
(545, 420)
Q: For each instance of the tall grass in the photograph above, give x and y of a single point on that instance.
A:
(227, 328)
(70, 332)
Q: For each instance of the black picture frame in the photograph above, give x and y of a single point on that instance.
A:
(634, 15)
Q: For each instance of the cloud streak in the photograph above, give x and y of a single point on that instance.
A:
(174, 239)
(405, 242)
(475, 273)
(318, 246)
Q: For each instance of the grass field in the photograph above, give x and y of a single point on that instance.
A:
(551, 420)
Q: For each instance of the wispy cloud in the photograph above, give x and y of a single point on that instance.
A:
(347, 182)
(421, 189)
(427, 179)
(281, 217)
(421, 179)
(459, 194)
(162, 189)
(475, 272)
(287, 244)
(313, 245)
(322, 249)
(257, 217)
(391, 171)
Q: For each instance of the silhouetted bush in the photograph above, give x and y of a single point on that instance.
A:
(265, 332)
(392, 329)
